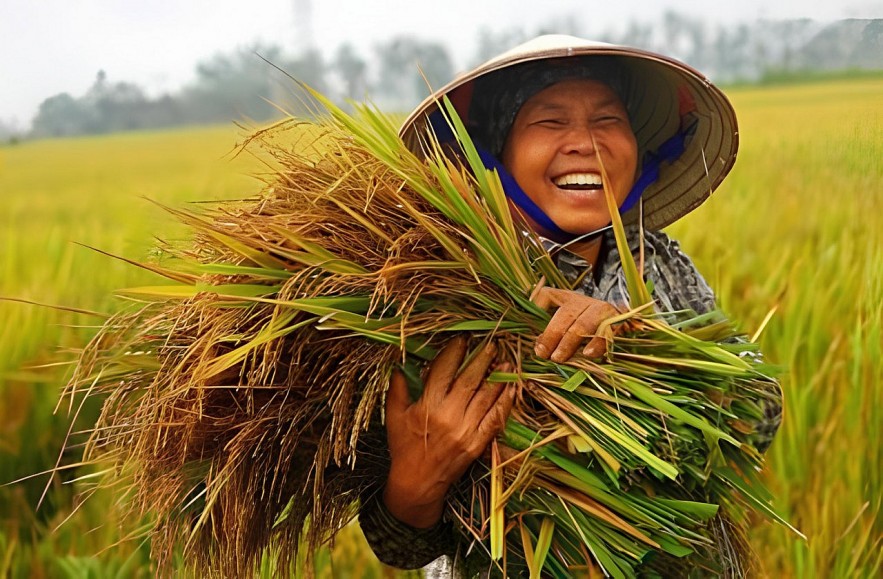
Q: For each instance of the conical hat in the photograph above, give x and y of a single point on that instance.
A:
(663, 95)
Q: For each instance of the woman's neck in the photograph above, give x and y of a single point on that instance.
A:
(588, 250)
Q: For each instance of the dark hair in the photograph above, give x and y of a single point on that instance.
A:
(499, 96)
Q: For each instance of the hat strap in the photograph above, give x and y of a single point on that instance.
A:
(517, 195)
(668, 152)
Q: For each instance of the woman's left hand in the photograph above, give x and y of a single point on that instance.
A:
(433, 441)
(576, 319)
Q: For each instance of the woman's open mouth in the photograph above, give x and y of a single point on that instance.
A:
(578, 181)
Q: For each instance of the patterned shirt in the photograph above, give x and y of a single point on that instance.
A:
(677, 285)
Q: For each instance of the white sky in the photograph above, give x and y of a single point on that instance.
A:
(53, 46)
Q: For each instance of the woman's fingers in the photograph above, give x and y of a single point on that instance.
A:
(490, 407)
(447, 388)
(596, 347)
(547, 297)
(562, 321)
(443, 371)
(434, 440)
(487, 413)
(473, 374)
(495, 419)
(482, 401)
(576, 319)
(585, 326)
(397, 398)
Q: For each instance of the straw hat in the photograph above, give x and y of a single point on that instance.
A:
(679, 118)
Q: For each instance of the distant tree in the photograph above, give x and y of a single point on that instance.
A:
(308, 68)
(685, 38)
(228, 87)
(491, 43)
(637, 34)
(396, 72)
(114, 106)
(791, 36)
(404, 62)
(9, 131)
(868, 53)
(435, 63)
(233, 86)
(240, 86)
(353, 72)
(733, 55)
(674, 35)
(164, 111)
(60, 116)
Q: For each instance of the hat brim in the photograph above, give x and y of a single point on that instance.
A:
(659, 88)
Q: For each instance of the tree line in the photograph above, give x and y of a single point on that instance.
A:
(254, 83)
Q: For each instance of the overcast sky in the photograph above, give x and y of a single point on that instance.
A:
(53, 46)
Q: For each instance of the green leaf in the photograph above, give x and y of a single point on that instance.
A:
(228, 269)
(638, 293)
(701, 511)
(672, 547)
(483, 326)
(576, 379)
(647, 395)
(544, 541)
(183, 292)
(754, 494)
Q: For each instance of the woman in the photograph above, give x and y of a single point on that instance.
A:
(546, 115)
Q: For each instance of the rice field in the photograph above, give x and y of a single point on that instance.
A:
(795, 232)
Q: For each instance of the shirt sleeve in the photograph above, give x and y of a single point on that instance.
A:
(398, 544)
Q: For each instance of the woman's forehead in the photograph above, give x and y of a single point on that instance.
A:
(498, 97)
(569, 92)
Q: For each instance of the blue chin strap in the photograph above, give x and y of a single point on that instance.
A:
(517, 195)
(668, 152)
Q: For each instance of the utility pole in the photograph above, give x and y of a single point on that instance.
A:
(304, 41)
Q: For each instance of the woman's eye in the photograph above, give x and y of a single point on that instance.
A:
(551, 122)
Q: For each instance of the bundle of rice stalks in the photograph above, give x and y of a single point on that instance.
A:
(243, 402)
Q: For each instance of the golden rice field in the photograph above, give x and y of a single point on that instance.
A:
(797, 230)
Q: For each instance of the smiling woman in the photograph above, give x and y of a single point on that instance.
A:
(574, 129)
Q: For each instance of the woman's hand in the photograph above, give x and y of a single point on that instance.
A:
(576, 319)
(434, 440)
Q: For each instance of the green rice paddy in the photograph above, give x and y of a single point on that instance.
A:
(796, 231)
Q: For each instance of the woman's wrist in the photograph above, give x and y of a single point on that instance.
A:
(414, 502)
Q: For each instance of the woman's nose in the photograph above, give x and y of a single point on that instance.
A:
(578, 140)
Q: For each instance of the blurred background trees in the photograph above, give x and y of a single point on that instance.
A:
(251, 84)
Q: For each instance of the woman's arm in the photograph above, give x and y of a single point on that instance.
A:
(398, 544)
(678, 285)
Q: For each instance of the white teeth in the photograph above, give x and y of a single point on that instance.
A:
(578, 179)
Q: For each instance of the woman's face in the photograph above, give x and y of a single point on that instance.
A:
(549, 152)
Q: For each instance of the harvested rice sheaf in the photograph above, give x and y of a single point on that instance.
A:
(243, 402)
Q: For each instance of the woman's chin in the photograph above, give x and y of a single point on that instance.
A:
(571, 230)
(584, 229)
